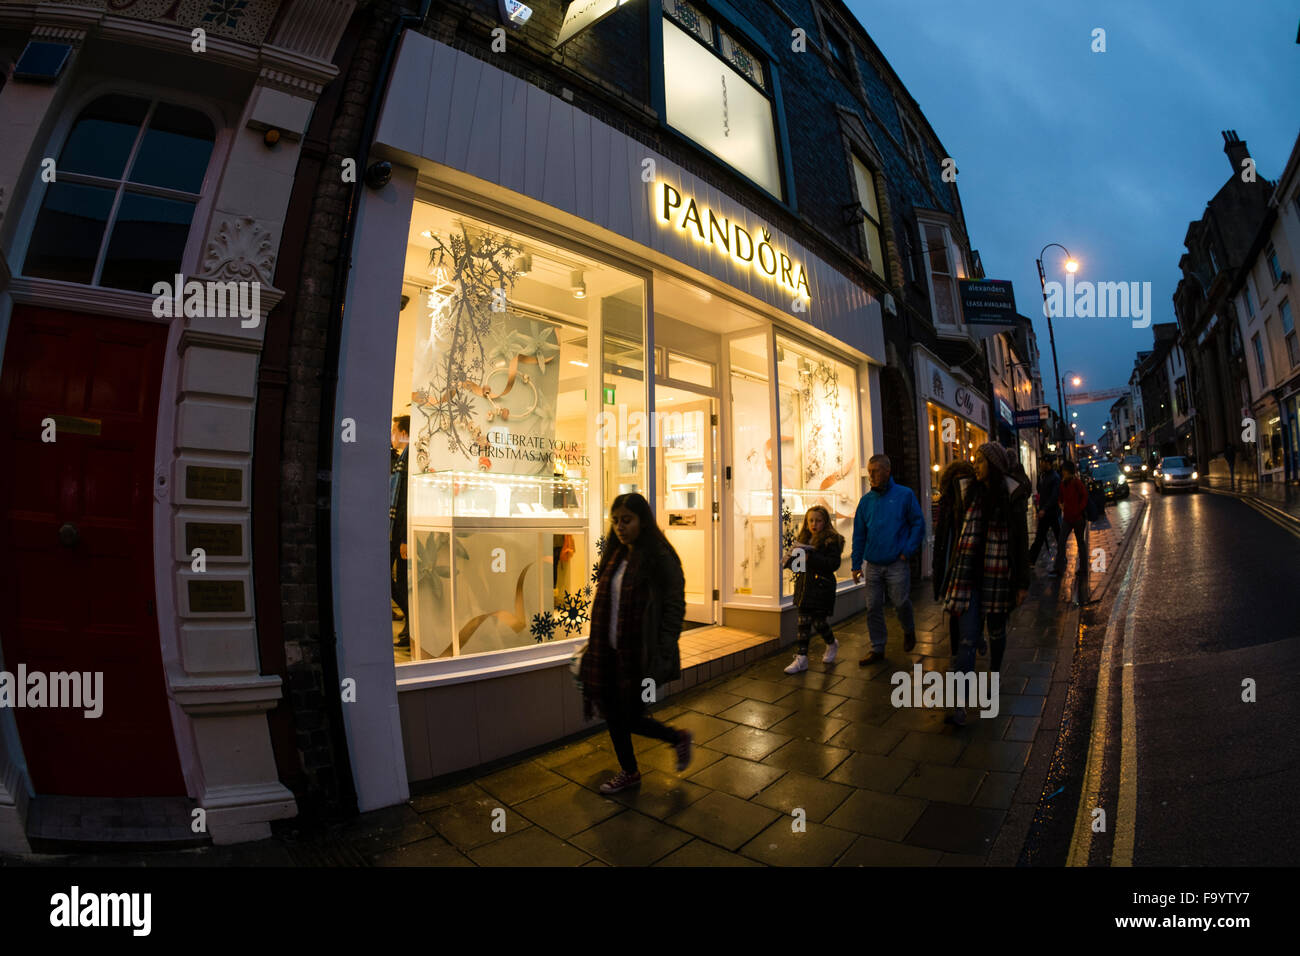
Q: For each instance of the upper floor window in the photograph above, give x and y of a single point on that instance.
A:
(1214, 262)
(718, 92)
(129, 178)
(866, 184)
(912, 143)
(1245, 298)
(945, 269)
(1288, 330)
(1270, 256)
(1259, 360)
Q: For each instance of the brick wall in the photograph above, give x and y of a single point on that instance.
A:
(305, 646)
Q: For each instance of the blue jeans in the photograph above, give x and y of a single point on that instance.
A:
(969, 627)
(898, 576)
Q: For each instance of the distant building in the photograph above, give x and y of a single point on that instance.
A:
(1266, 305)
(1217, 246)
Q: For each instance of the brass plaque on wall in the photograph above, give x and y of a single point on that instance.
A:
(220, 539)
(72, 425)
(214, 484)
(216, 596)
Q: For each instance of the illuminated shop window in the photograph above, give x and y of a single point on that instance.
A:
(524, 427)
(819, 447)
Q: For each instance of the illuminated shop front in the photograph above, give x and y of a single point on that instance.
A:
(954, 423)
(555, 348)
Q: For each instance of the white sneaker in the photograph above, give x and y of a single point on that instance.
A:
(832, 649)
(800, 663)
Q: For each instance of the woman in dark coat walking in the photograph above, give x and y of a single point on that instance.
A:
(822, 549)
(955, 483)
(636, 619)
(989, 573)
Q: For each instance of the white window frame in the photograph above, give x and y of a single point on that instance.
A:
(58, 138)
(957, 262)
(869, 176)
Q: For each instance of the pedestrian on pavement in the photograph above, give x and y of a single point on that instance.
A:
(636, 620)
(1074, 520)
(1230, 453)
(955, 487)
(887, 531)
(989, 573)
(818, 550)
(400, 439)
(1048, 511)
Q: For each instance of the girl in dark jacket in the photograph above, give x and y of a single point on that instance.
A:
(636, 619)
(956, 482)
(822, 549)
(989, 568)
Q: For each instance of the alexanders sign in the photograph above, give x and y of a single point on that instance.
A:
(752, 250)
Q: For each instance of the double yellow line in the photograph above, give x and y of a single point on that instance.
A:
(1130, 595)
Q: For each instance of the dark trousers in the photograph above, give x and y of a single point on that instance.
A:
(625, 718)
(399, 582)
(1050, 520)
(1080, 531)
(809, 623)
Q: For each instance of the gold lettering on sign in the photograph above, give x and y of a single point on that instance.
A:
(214, 484)
(217, 538)
(746, 249)
(215, 597)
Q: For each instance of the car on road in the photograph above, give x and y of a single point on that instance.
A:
(1107, 478)
(1135, 469)
(1175, 472)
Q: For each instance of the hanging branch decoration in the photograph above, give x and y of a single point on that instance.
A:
(820, 394)
(474, 274)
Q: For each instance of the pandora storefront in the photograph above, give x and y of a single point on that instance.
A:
(561, 340)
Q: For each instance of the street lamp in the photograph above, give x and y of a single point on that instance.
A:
(1070, 266)
(1074, 380)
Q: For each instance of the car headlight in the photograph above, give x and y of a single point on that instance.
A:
(1123, 480)
(1195, 476)
(1128, 468)
(1144, 467)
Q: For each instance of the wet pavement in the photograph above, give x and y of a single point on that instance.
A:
(812, 769)
(1276, 495)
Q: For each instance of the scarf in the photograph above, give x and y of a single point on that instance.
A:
(991, 536)
(608, 671)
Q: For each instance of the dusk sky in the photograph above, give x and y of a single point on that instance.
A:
(1110, 154)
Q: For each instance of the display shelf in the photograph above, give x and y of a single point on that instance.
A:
(523, 501)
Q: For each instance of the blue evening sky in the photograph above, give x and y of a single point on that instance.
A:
(1110, 154)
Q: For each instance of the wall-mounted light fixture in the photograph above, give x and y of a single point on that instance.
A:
(514, 13)
(577, 284)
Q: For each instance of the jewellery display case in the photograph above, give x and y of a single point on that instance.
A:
(445, 498)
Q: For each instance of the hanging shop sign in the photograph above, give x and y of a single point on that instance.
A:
(749, 249)
(585, 13)
(988, 302)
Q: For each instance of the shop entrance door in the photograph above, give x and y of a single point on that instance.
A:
(76, 550)
(688, 504)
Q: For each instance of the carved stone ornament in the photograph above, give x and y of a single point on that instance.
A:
(240, 249)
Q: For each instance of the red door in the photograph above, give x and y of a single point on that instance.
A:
(76, 548)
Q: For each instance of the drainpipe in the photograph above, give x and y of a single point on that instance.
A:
(329, 396)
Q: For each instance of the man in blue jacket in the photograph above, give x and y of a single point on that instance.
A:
(887, 529)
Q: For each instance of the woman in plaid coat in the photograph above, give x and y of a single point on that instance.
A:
(989, 569)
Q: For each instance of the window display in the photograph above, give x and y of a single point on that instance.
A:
(504, 496)
(951, 438)
(819, 450)
(753, 541)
